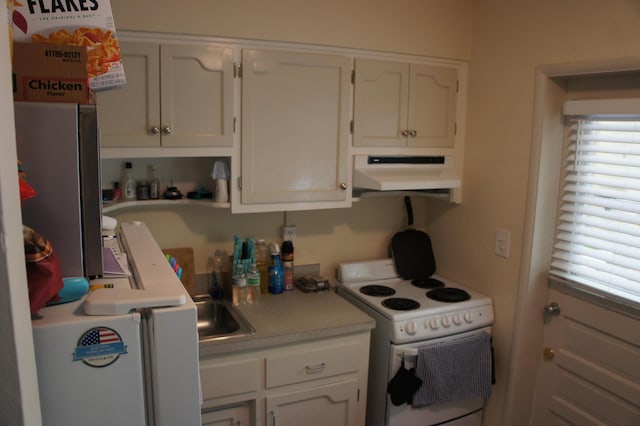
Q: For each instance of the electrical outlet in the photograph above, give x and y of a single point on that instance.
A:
(289, 233)
(503, 242)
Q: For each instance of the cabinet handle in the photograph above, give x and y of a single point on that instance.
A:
(405, 133)
(343, 186)
(273, 418)
(167, 130)
(413, 133)
(314, 369)
(155, 130)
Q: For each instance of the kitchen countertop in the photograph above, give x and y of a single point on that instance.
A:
(293, 317)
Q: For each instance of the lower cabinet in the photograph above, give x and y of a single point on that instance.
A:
(335, 404)
(322, 382)
(236, 415)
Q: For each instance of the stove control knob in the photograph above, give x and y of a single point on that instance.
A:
(410, 328)
(456, 319)
(433, 323)
(445, 322)
(468, 317)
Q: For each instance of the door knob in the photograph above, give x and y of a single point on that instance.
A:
(548, 354)
(167, 130)
(413, 133)
(405, 133)
(155, 130)
(552, 309)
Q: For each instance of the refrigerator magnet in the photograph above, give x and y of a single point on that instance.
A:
(99, 347)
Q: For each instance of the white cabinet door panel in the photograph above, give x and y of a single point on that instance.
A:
(432, 106)
(381, 97)
(196, 89)
(334, 404)
(294, 127)
(127, 114)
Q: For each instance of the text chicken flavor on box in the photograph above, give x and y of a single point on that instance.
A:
(85, 23)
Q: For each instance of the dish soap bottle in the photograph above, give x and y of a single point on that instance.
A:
(239, 283)
(253, 284)
(263, 260)
(287, 264)
(276, 274)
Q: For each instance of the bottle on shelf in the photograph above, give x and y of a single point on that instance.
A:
(276, 274)
(129, 182)
(142, 190)
(263, 259)
(117, 194)
(287, 264)
(239, 284)
(253, 284)
(154, 185)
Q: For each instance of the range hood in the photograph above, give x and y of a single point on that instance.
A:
(402, 173)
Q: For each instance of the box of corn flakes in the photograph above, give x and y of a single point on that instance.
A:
(82, 23)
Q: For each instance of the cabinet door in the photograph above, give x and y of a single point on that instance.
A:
(432, 106)
(334, 404)
(295, 113)
(238, 415)
(127, 115)
(197, 96)
(381, 102)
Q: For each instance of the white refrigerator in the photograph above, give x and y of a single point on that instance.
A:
(126, 355)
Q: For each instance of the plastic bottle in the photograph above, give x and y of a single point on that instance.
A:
(287, 264)
(253, 284)
(263, 260)
(239, 283)
(129, 182)
(154, 185)
(276, 274)
(117, 195)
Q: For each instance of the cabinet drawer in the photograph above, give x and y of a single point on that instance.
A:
(226, 378)
(310, 364)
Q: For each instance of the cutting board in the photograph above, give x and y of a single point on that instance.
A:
(184, 257)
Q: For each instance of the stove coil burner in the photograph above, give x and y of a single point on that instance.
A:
(427, 283)
(448, 294)
(377, 290)
(400, 304)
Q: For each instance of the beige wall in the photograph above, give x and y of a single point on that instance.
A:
(511, 38)
(504, 40)
(428, 27)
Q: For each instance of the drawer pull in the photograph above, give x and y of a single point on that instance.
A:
(314, 369)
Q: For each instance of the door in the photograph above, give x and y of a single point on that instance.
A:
(380, 103)
(295, 132)
(334, 404)
(197, 99)
(237, 415)
(433, 91)
(127, 115)
(589, 374)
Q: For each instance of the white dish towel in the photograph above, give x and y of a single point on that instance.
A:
(454, 370)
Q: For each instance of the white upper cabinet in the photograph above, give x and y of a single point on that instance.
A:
(176, 96)
(404, 105)
(295, 131)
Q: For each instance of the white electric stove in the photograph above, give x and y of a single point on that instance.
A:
(411, 315)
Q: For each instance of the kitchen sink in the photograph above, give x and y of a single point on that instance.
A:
(219, 320)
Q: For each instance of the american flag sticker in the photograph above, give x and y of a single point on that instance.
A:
(99, 347)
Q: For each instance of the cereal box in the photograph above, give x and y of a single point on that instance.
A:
(86, 23)
(50, 73)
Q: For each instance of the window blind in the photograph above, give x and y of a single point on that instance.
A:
(597, 241)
